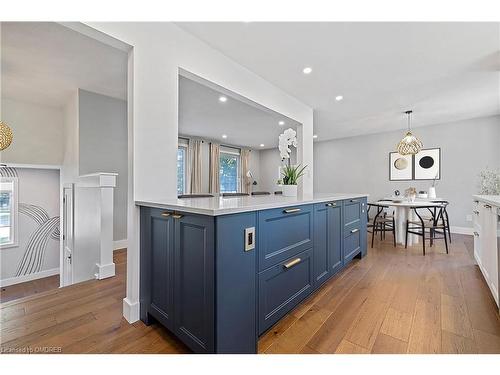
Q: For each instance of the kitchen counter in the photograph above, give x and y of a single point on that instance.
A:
(230, 205)
(494, 200)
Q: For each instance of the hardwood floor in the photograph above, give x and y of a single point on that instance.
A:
(29, 288)
(391, 301)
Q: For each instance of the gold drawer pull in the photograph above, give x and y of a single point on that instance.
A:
(354, 201)
(355, 230)
(177, 216)
(292, 263)
(331, 204)
(291, 210)
(165, 214)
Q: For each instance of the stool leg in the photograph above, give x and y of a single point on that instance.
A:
(406, 236)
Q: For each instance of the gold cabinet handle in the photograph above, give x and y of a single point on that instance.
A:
(165, 214)
(292, 263)
(354, 201)
(331, 204)
(355, 230)
(177, 216)
(291, 210)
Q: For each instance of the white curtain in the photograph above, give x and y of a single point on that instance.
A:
(245, 166)
(193, 170)
(213, 175)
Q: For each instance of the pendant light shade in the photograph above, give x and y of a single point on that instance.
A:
(5, 136)
(410, 144)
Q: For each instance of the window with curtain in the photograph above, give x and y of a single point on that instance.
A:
(8, 212)
(229, 168)
(181, 166)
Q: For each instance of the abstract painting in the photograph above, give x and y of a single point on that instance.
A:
(400, 167)
(428, 164)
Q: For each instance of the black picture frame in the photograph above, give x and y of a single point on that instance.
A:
(391, 166)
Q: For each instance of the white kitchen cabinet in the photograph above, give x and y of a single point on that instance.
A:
(486, 211)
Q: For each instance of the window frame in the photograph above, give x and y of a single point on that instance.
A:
(14, 214)
(183, 144)
(233, 151)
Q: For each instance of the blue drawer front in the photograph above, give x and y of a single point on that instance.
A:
(352, 214)
(283, 235)
(352, 245)
(281, 288)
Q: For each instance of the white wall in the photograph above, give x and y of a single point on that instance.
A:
(103, 147)
(70, 168)
(159, 50)
(39, 187)
(38, 133)
(270, 163)
(360, 164)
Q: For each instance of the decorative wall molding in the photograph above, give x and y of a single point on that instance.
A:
(120, 244)
(130, 310)
(29, 277)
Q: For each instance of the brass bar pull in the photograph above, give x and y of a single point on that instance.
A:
(165, 214)
(354, 201)
(331, 204)
(292, 263)
(291, 210)
(177, 216)
(355, 230)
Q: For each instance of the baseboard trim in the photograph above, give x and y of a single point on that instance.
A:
(462, 230)
(30, 277)
(120, 244)
(130, 311)
(105, 271)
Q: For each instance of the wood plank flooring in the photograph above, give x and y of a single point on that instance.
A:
(392, 301)
(28, 288)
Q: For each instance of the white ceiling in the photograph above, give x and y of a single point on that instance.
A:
(44, 62)
(443, 71)
(202, 115)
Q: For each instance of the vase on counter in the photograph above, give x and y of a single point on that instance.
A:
(289, 190)
(432, 193)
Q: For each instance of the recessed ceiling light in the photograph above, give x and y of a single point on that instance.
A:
(339, 98)
(307, 70)
(222, 99)
(315, 136)
(262, 145)
(281, 123)
(224, 136)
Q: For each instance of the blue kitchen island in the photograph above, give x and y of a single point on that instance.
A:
(218, 272)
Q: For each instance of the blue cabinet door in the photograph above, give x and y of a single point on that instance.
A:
(157, 268)
(194, 281)
(364, 219)
(321, 262)
(236, 289)
(283, 286)
(352, 214)
(335, 238)
(283, 233)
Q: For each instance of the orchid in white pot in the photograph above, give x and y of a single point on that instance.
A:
(290, 175)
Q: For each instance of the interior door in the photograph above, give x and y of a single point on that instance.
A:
(68, 236)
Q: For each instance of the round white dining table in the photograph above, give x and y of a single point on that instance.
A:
(403, 211)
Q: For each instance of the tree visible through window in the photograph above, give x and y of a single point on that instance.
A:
(8, 211)
(181, 170)
(228, 172)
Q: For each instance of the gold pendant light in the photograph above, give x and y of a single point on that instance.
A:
(409, 145)
(5, 136)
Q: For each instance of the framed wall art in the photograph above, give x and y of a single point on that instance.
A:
(427, 164)
(400, 167)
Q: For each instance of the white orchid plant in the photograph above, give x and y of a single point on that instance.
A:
(290, 174)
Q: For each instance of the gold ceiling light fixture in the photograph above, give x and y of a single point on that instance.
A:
(5, 136)
(409, 145)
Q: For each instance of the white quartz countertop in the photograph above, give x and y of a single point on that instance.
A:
(494, 200)
(229, 205)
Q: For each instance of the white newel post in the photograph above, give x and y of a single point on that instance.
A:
(105, 183)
